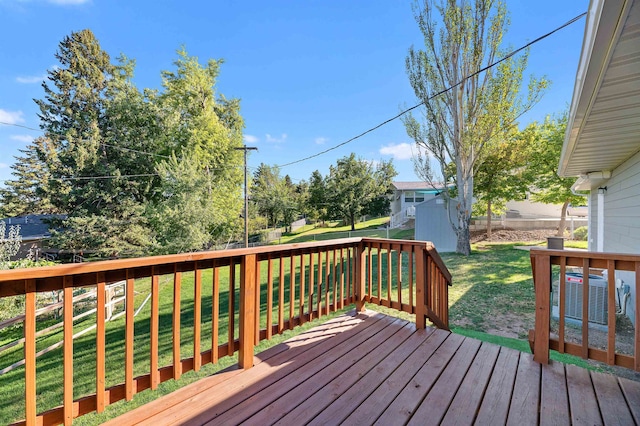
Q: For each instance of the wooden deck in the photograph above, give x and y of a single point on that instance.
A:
(374, 369)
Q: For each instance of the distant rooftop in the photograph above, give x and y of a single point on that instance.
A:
(410, 186)
(33, 226)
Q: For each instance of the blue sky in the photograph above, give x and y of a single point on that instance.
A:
(310, 74)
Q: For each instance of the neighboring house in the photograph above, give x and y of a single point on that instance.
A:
(34, 229)
(602, 143)
(406, 195)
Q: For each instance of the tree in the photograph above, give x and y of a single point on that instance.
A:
(353, 184)
(463, 111)
(29, 192)
(501, 176)
(545, 142)
(318, 198)
(200, 191)
(271, 195)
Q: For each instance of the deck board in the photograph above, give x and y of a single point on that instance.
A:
(554, 404)
(373, 369)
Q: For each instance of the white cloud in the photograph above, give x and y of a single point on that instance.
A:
(400, 151)
(321, 140)
(22, 138)
(3, 165)
(275, 139)
(11, 117)
(31, 79)
(250, 139)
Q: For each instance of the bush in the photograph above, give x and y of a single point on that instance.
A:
(581, 233)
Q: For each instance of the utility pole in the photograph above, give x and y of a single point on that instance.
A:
(246, 197)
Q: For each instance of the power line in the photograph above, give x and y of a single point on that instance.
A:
(509, 55)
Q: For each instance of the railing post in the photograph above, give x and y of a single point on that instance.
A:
(247, 310)
(542, 284)
(361, 265)
(421, 287)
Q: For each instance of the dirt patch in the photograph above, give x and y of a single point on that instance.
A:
(512, 235)
(509, 325)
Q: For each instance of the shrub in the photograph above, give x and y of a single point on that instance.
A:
(581, 233)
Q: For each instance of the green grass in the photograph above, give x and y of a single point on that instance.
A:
(334, 230)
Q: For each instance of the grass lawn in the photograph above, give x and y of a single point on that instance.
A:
(333, 230)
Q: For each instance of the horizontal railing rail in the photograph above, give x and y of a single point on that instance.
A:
(202, 307)
(541, 341)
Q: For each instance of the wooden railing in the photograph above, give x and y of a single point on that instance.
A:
(203, 306)
(542, 263)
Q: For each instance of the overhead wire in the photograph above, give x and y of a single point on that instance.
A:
(395, 117)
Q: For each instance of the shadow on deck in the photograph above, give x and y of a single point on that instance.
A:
(374, 369)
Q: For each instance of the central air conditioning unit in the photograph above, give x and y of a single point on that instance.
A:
(597, 297)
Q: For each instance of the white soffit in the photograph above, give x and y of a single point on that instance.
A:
(604, 121)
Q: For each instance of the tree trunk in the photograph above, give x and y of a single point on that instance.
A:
(462, 232)
(488, 219)
(352, 218)
(563, 219)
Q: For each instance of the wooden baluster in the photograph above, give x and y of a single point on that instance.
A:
(177, 288)
(361, 273)
(281, 297)
(128, 343)
(542, 282)
(247, 310)
(68, 349)
(215, 312)
(232, 308)
(421, 277)
(319, 285)
(302, 289)
(311, 286)
(155, 323)
(197, 317)
(350, 275)
(292, 289)
(389, 269)
(269, 297)
(562, 295)
(334, 280)
(30, 351)
(636, 352)
(369, 267)
(341, 270)
(399, 275)
(327, 281)
(611, 296)
(585, 308)
(100, 342)
(410, 274)
(258, 305)
(379, 277)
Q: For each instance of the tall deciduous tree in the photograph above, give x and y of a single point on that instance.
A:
(353, 184)
(318, 197)
(271, 195)
(545, 143)
(463, 112)
(501, 176)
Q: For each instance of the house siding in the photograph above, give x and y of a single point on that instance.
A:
(621, 224)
